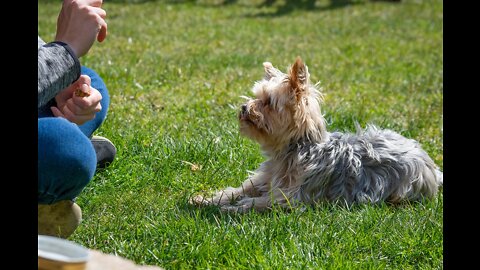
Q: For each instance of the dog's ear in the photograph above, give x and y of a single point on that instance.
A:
(298, 77)
(270, 71)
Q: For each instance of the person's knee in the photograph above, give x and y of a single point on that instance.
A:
(66, 159)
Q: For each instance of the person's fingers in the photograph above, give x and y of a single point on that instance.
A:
(70, 114)
(85, 105)
(82, 119)
(56, 112)
(83, 90)
(102, 34)
(100, 12)
(80, 106)
(98, 108)
(80, 110)
(67, 3)
(69, 109)
(83, 79)
(102, 27)
(68, 92)
(72, 117)
(102, 24)
(94, 3)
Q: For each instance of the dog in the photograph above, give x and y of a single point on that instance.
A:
(306, 164)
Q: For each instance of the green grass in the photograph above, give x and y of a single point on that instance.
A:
(175, 71)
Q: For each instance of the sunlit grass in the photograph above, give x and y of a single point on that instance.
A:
(175, 71)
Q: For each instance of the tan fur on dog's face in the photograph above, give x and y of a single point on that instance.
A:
(285, 108)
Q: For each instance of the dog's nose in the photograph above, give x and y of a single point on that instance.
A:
(244, 108)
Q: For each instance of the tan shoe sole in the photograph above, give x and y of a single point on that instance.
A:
(59, 219)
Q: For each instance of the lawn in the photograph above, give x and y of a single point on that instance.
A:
(176, 70)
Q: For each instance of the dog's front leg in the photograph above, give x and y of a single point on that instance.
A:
(251, 187)
(261, 203)
(246, 204)
(223, 197)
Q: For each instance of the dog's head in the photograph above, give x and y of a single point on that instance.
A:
(285, 109)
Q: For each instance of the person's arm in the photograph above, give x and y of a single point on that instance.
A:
(58, 67)
(79, 23)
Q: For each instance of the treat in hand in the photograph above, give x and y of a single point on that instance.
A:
(80, 93)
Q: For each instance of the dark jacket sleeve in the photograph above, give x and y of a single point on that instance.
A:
(58, 67)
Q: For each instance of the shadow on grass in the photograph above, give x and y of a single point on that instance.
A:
(309, 5)
(214, 215)
(284, 7)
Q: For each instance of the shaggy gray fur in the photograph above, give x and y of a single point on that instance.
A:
(371, 166)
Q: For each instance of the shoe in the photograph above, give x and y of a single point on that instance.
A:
(105, 150)
(59, 219)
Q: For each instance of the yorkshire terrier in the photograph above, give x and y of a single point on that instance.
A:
(307, 164)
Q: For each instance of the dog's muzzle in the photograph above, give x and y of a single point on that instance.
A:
(244, 109)
(243, 114)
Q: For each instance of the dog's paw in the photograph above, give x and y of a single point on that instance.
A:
(199, 200)
(229, 191)
(225, 197)
(243, 206)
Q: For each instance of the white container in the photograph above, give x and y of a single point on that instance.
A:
(58, 253)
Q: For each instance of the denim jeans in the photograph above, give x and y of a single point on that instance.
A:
(66, 157)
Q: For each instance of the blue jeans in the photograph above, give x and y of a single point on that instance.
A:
(66, 158)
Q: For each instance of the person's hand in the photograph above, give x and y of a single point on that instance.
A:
(75, 108)
(79, 23)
